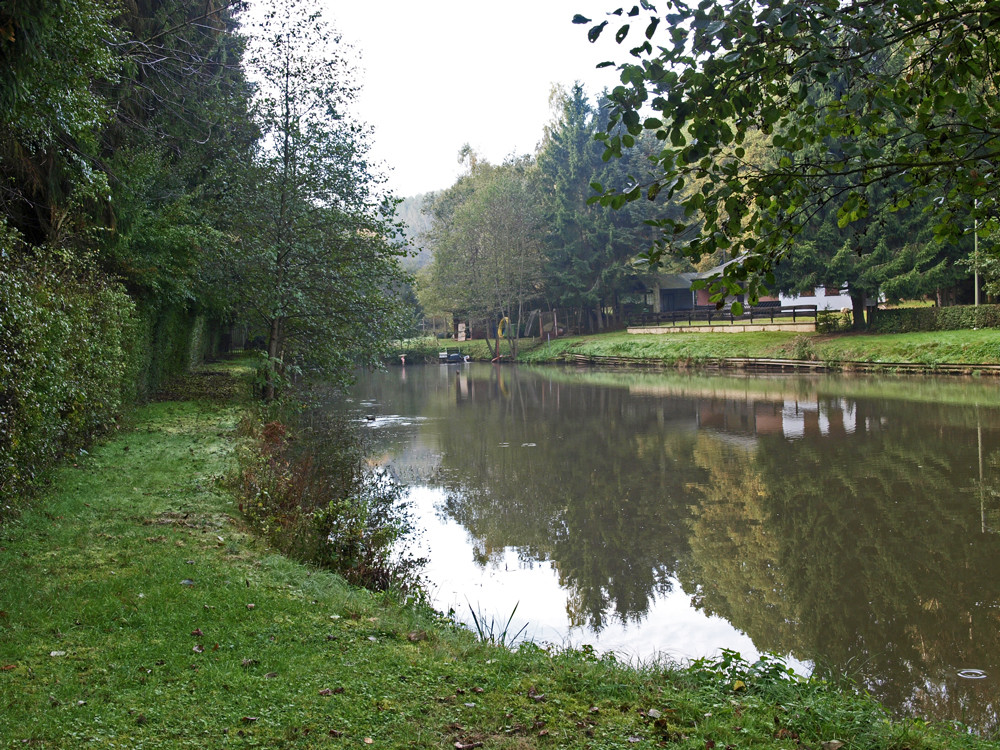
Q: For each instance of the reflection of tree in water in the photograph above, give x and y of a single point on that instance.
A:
(602, 498)
(865, 554)
(733, 546)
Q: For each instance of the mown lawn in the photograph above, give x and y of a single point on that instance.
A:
(937, 347)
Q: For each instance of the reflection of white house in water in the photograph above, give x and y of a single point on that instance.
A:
(791, 418)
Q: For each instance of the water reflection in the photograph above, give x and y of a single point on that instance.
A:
(850, 523)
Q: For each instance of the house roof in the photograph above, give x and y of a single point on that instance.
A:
(677, 280)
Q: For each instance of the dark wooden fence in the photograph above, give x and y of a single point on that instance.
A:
(710, 314)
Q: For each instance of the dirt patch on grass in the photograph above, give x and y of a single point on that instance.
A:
(217, 386)
(201, 521)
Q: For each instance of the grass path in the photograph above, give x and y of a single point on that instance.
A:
(135, 612)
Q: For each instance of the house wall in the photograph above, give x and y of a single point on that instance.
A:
(821, 299)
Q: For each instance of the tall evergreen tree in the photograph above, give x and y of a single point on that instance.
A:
(588, 246)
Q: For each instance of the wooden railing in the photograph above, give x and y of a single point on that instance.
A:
(710, 314)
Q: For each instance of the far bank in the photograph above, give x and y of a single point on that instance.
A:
(952, 352)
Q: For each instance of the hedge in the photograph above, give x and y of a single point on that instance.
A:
(75, 352)
(959, 317)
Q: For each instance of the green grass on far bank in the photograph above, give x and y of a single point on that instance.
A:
(937, 347)
(966, 347)
(136, 612)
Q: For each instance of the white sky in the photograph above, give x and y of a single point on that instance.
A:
(441, 73)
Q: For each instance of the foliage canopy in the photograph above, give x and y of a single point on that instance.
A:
(915, 97)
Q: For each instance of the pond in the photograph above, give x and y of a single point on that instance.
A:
(851, 525)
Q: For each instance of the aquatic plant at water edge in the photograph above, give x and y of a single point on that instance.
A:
(492, 632)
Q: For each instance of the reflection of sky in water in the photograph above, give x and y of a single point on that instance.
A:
(672, 628)
(752, 498)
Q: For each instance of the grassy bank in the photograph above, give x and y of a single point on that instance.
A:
(135, 611)
(965, 347)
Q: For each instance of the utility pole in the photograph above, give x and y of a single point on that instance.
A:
(975, 256)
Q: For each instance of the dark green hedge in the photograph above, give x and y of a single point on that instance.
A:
(66, 360)
(909, 320)
(75, 351)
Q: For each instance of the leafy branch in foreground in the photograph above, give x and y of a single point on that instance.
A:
(844, 96)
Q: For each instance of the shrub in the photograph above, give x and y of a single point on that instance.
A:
(314, 497)
(66, 333)
(75, 351)
(833, 321)
(958, 317)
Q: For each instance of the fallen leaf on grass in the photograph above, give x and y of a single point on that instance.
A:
(8, 667)
(654, 714)
(369, 740)
(467, 745)
(249, 719)
(416, 636)
(57, 653)
(197, 632)
(198, 648)
(251, 606)
(270, 675)
(833, 745)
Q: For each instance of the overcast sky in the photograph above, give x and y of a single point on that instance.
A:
(441, 73)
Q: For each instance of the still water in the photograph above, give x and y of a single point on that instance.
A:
(851, 525)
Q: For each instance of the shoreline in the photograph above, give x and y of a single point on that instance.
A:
(961, 352)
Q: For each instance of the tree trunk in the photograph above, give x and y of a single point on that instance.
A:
(273, 349)
(858, 308)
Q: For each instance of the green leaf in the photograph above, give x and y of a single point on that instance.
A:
(595, 32)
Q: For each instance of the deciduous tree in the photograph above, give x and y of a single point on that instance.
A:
(315, 258)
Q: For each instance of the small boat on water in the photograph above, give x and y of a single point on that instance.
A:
(452, 356)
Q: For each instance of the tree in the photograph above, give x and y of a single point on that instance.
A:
(588, 247)
(486, 235)
(314, 263)
(55, 56)
(919, 104)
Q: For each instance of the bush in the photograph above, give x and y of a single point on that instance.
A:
(75, 352)
(66, 360)
(316, 498)
(834, 321)
(959, 317)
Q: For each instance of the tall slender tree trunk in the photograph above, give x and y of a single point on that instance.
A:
(273, 350)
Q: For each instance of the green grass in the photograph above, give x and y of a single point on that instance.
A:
(137, 612)
(938, 347)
